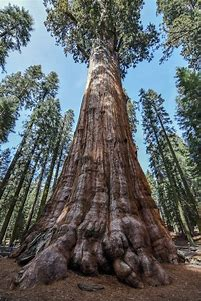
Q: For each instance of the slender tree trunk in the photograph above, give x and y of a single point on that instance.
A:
(23, 201)
(183, 178)
(60, 151)
(13, 201)
(57, 169)
(175, 193)
(14, 161)
(49, 178)
(199, 218)
(101, 216)
(36, 196)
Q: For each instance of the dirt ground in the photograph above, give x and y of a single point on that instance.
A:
(186, 286)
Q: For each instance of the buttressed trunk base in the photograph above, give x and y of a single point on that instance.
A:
(101, 217)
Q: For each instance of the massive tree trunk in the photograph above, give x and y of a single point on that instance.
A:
(101, 216)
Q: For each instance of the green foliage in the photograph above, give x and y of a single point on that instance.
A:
(170, 164)
(153, 105)
(131, 110)
(19, 91)
(39, 133)
(15, 27)
(8, 115)
(4, 162)
(189, 111)
(64, 139)
(45, 143)
(45, 120)
(78, 24)
(31, 87)
(181, 25)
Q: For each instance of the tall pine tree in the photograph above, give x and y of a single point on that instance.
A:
(15, 27)
(161, 145)
(189, 112)
(181, 27)
(39, 133)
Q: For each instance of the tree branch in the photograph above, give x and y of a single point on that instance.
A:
(119, 43)
(72, 17)
(83, 51)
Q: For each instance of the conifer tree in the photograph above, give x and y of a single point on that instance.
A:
(131, 109)
(4, 162)
(181, 26)
(39, 132)
(160, 138)
(16, 228)
(28, 90)
(189, 112)
(15, 27)
(8, 115)
(19, 91)
(32, 209)
(64, 141)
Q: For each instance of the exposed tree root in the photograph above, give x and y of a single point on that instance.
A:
(95, 248)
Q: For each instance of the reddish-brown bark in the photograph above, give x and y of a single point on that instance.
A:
(101, 216)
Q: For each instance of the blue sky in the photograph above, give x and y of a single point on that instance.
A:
(42, 50)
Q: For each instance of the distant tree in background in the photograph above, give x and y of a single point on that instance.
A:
(8, 116)
(181, 28)
(41, 129)
(162, 145)
(48, 176)
(189, 112)
(132, 118)
(15, 27)
(18, 91)
(64, 141)
(4, 162)
(61, 147)
(30, 168)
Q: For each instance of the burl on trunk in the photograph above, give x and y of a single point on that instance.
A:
(101, 217)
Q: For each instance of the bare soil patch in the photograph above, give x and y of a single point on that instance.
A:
(186, 286)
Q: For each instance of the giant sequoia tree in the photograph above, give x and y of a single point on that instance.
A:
(101, 216)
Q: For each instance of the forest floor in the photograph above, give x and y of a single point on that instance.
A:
(186, 286)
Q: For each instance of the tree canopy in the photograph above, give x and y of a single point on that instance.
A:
(78, 24)
(167, 155)
(181, 25)
(23, 90)
(189, 111)
(7, 117)
(15, 27)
